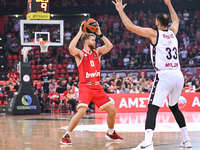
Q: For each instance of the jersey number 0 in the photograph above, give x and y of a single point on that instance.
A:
(92, 63)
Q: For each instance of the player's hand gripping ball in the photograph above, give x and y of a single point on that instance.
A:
(89, 25)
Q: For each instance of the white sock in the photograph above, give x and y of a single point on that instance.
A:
(110, 131)
(68, 132)
(185, 134)
(148, 135)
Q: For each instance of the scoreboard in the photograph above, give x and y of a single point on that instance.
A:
(38, 10)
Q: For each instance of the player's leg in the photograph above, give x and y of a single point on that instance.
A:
(156, 98)
(84, 100)
(111, 134)
(73, 123)
(180, 119)
(111, 110)
(102, 101)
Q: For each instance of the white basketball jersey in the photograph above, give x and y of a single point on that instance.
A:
(164, 54)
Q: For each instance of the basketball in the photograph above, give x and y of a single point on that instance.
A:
(89, 25)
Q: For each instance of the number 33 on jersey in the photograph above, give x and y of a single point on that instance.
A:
(164, 54)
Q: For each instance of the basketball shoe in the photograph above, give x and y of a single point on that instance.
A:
(186, 144)
(113, 136)
(144, 146)
(66, 140)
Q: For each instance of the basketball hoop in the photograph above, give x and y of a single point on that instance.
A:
(44, 46)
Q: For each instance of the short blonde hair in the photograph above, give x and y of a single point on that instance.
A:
(85, 36)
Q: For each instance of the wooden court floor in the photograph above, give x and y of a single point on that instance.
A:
(43, 132)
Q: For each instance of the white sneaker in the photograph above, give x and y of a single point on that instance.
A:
(144, 146)
(186, 144)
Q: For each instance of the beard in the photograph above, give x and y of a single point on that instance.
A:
(91, 46)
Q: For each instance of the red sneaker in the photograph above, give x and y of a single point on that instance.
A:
(114, 136)
(58, 111)
(66, 140)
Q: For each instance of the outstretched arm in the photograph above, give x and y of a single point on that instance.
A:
(174, 17)
(72, 46)
(105, 48)
(145, 32)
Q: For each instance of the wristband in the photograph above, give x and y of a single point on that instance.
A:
(101, 35)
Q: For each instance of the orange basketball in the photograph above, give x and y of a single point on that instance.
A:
(89, 25)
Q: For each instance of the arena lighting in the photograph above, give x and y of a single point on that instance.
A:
(2, 66)
(16, 15)
(52, 15)
(85, 14)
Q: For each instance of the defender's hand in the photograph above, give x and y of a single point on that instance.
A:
(118, 5)
(167, 2)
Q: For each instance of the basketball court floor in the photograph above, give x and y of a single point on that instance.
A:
(43, 132)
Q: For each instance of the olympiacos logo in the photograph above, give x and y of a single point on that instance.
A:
(182, 102)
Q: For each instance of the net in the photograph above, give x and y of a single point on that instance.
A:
(44, 46)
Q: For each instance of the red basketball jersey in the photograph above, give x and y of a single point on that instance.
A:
(89, 67)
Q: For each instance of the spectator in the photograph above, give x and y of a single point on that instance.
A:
(76, 81)
(11, 75)
(197, 86)
(16, 87)
(54, 99)
(70, 81)
(67, 36)
(134, 80)
(124, 89)
(60, 89)
(51, 71)
(53, 84)
(71, 98)
(108, 65)
(14, 49)
(44, 69)
(114, 58)
(70, 67)
(45, 80)
(6, 90)
(183, 55)
(126, 61)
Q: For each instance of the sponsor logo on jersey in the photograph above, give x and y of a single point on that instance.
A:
(90, 75)
(171, 65)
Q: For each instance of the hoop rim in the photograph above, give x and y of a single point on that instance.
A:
(43, 42)
(44, 46)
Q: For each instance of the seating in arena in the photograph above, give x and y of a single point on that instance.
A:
(131, 51)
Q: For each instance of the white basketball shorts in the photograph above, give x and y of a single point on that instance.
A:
(166, 82)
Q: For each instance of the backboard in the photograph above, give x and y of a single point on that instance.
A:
(33, 31)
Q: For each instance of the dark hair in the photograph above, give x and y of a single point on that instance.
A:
(85, 36)
(163, 19)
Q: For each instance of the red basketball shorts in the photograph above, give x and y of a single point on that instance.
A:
(94, 93)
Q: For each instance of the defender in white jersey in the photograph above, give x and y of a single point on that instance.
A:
(169, 78)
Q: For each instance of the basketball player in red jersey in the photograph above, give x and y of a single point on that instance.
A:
(88, 62)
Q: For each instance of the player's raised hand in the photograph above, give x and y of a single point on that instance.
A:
(98, 32)
(80, 29)
(118, 5)
(167, 2)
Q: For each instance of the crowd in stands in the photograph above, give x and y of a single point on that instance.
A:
(130, 51)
